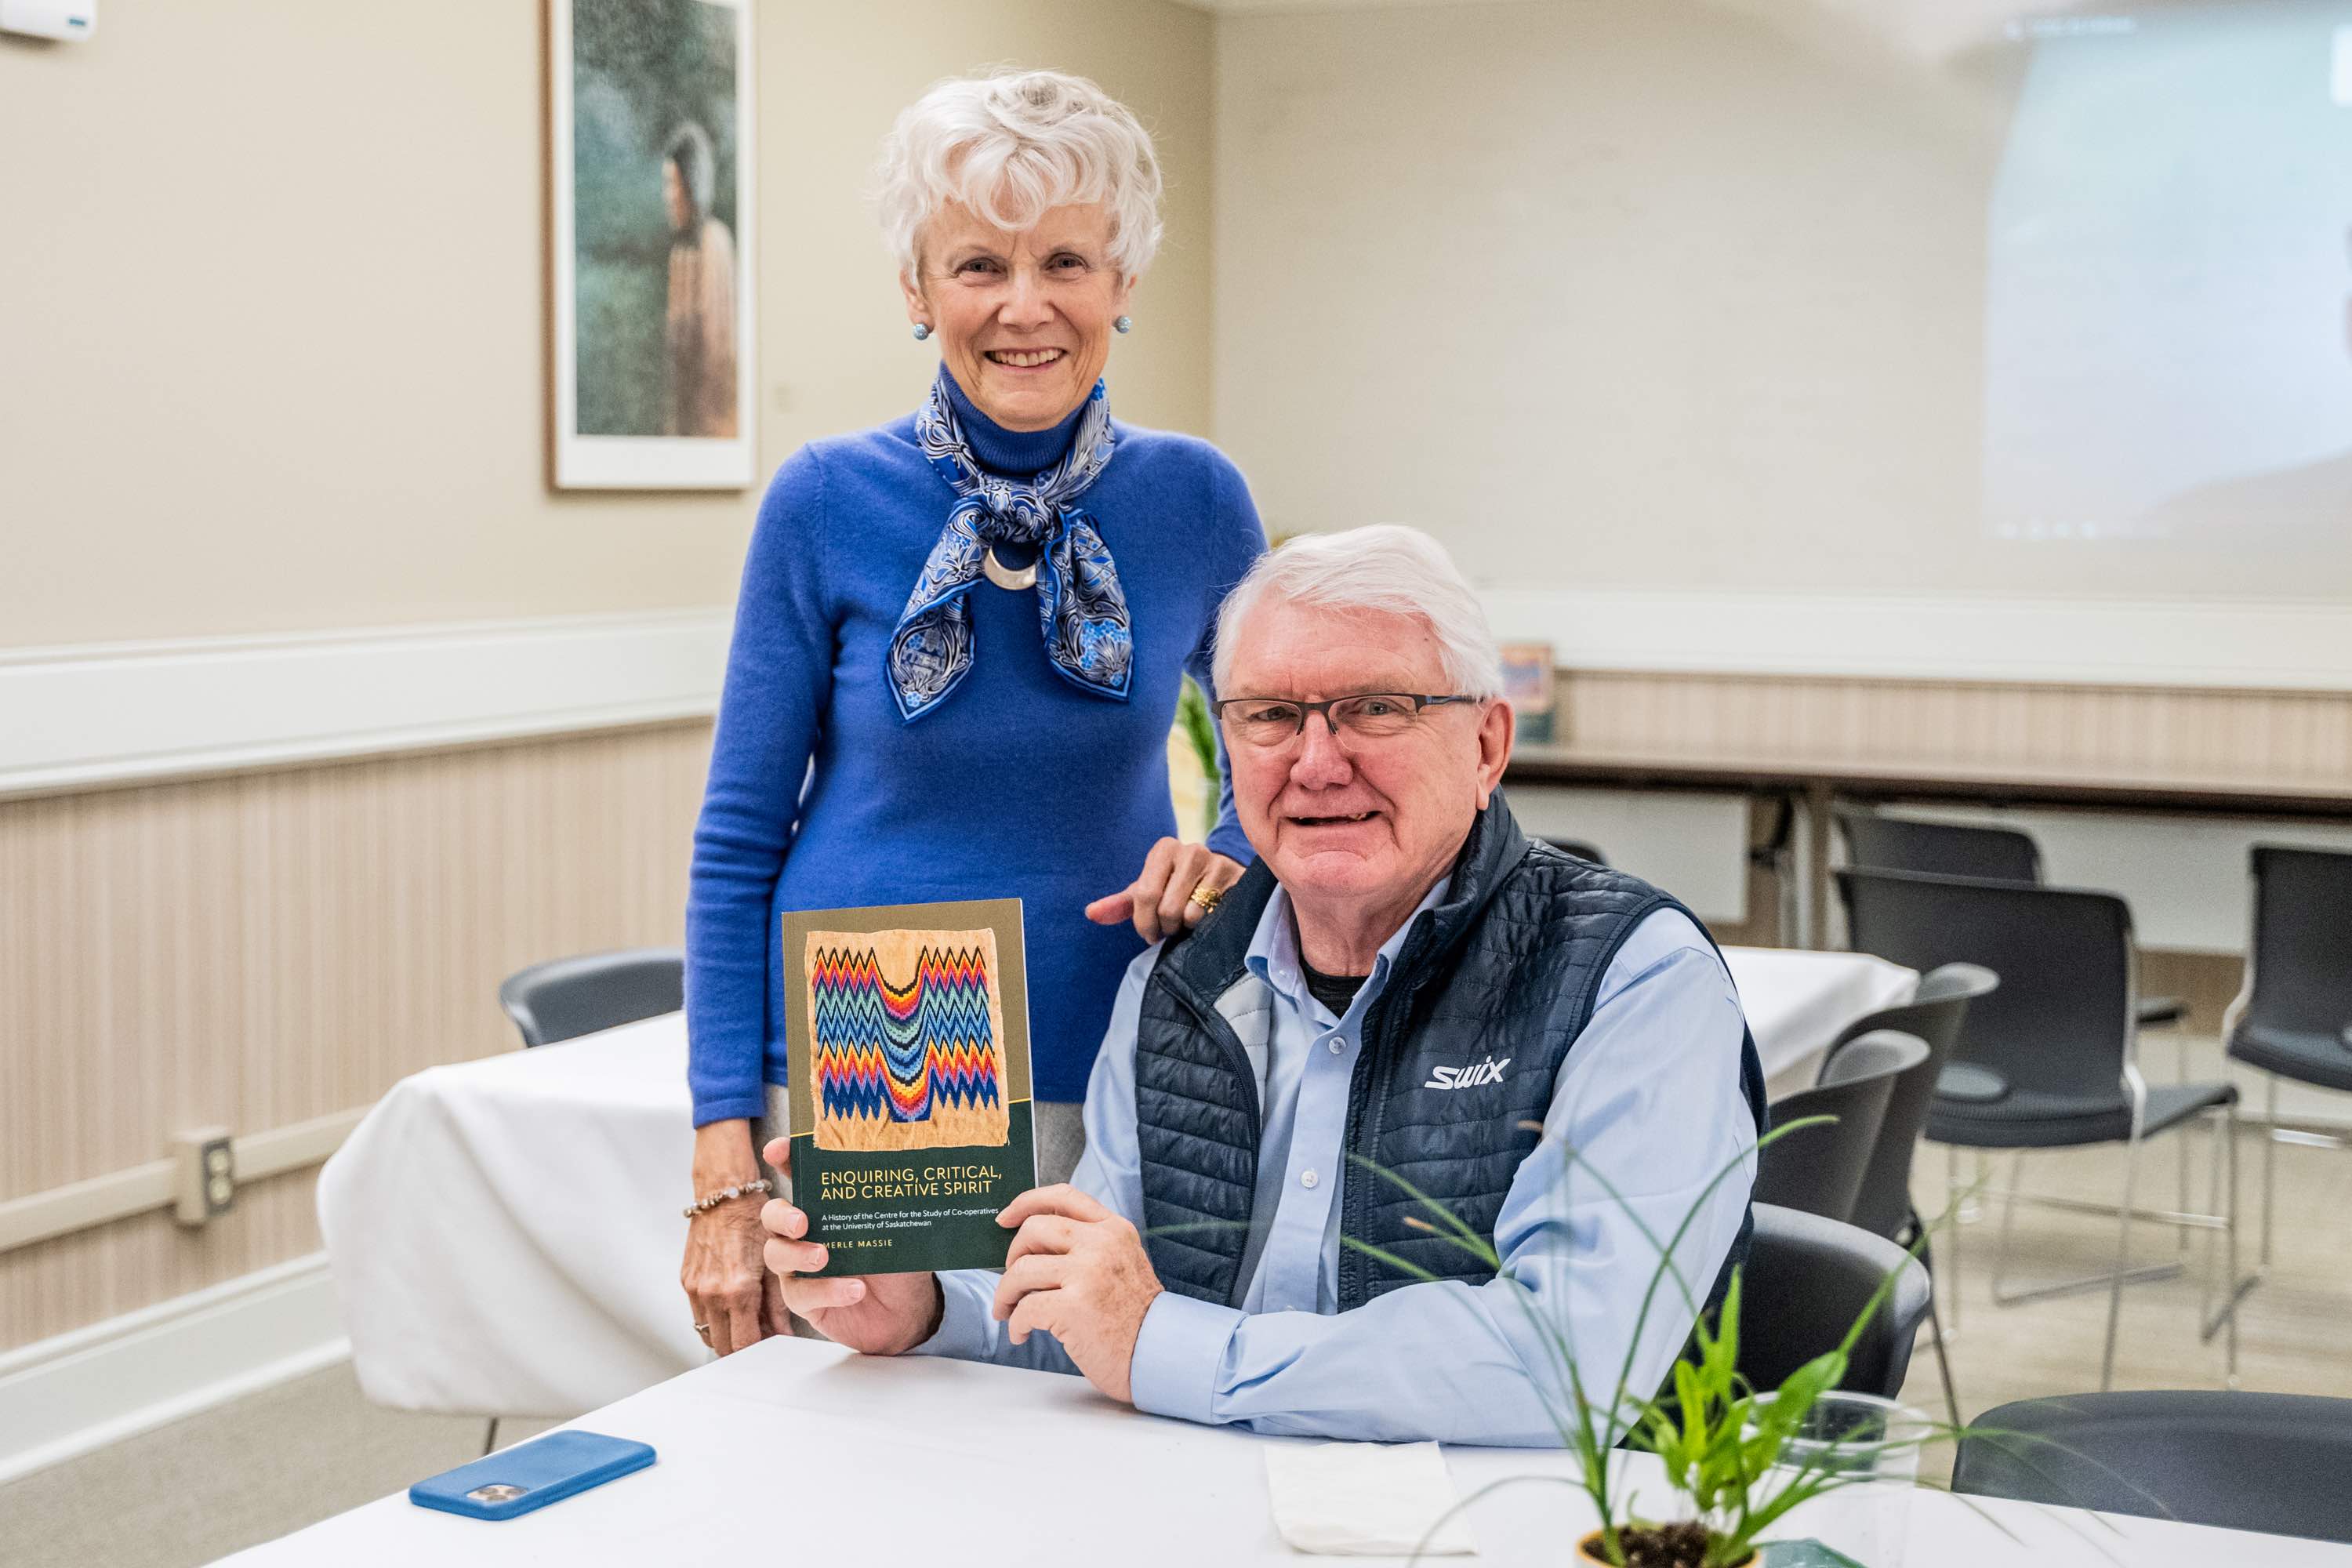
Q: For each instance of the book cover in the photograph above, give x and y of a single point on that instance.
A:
(907, 1028)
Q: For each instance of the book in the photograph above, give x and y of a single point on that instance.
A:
(906, 1029)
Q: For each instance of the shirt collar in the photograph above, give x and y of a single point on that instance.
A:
(1274, 954)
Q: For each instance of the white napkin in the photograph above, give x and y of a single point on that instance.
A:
(1364, 1500)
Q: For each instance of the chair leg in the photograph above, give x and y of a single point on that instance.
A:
(490, 1438)
(2214, 1133)
(2234, 1286)
(2008, 1216)
(2270, 1165)
(2123, 1256)
(1966, 1213)
(2002, 1295)
(2180, 1063)
(2230, 1356)
(1951, 1269)
(1943, 1362)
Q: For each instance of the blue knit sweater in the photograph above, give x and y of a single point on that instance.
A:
(1017, 786)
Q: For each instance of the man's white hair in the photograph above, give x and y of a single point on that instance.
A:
(1013, 144)
(1387, 568)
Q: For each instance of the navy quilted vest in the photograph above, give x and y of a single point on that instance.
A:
(1482, 976)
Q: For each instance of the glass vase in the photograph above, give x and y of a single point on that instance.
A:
(1871, 1445)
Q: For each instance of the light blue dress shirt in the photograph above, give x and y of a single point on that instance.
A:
(1649, 1095)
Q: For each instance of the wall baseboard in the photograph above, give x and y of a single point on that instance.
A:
(66, 1396)
(2210, 644)
(90, 715)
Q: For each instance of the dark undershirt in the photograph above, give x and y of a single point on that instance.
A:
(1334, 991)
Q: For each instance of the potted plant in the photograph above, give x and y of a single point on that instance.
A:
(1739, 1460)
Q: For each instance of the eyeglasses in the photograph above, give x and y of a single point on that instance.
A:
(1268, 721)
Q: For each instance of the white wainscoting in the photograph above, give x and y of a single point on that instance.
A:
(2254, 645)
(81, 1391)
(84, 716)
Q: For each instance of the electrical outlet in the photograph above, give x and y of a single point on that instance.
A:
(204, 1181)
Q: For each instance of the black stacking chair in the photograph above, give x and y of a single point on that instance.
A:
(2293, 1017)
(1806, 1280)
(1965, 849)
(2055, 1052)
(1938, 849)
(1580, 848)
(567, 997)
(2268, 1462)
(1935, 1016)
(1820, 1169)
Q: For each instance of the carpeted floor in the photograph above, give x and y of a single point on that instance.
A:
(231, 1477)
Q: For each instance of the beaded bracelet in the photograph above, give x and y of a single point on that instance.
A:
(712, 1200)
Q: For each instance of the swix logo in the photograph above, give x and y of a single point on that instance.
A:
(1488, 1071)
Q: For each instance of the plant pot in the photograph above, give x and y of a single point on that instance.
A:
(1588, 1552)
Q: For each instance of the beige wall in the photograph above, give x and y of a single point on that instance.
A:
(1614, 293)
(271, 300)
(271, 358)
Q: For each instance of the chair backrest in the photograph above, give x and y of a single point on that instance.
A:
(1806, 1280)
(1582, 848)
(2271, 1462)
(1938, 849)
(1821, 1169)
(566, 997)
(2300, 962)
(1935, 1014)
(2062, 1021)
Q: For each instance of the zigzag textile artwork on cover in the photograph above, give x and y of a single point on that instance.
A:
(906, 1047)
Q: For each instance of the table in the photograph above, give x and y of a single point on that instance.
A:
(506, 1236)
(796, 1451)
(1815, 784)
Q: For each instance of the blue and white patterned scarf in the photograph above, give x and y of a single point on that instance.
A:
(1080, 608)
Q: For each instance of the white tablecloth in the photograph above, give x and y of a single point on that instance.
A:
(797, 1452)
(506, 1236)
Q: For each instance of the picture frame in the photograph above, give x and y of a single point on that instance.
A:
(1529, 685)
(652, 364)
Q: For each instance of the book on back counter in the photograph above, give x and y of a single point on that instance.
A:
(907, 1032)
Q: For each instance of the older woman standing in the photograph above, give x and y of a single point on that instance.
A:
(959, 642)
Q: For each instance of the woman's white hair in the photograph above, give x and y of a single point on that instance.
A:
(1387, 568)
(1010, 145)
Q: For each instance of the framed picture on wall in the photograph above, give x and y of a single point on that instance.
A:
(650, 231)
(1528, 681)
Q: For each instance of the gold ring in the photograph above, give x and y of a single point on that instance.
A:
(1206, 896)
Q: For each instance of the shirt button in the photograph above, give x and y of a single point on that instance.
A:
(1308, 1178)
(1339, 1043)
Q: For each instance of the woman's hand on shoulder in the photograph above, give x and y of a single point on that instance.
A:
(1161, 899)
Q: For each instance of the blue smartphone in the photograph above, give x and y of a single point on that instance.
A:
(531, 1475)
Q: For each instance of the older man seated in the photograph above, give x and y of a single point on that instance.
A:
(1402, 982)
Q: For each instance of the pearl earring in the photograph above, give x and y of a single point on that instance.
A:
(1124, 324)
(922, 330)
